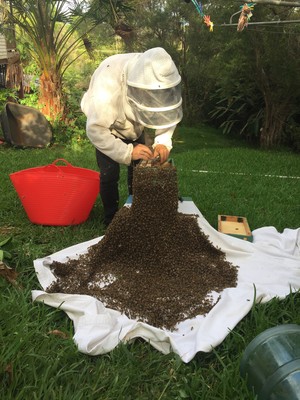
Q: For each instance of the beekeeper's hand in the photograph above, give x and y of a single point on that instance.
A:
(161, 151)
(141, 152)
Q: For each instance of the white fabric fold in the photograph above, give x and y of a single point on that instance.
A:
(268, 268)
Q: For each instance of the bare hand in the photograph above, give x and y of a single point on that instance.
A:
(161, 151)
(141, 152)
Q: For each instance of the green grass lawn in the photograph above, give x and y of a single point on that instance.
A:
(223, 176)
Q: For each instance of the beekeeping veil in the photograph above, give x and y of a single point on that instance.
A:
(153, 89)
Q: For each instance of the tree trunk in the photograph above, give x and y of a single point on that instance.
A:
(185, 95)
(126, 33)
(51, 97)
(275, 116)
(276, 106)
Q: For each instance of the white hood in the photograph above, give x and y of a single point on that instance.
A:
(153, 89)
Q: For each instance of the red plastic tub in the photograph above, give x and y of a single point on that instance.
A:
(57, 194)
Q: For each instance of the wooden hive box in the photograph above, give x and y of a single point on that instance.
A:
(235, 226)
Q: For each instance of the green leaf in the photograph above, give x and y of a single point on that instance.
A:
(183, 394)
(5, 241)
(6, 254)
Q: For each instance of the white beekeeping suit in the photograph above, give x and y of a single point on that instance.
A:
(128, 92)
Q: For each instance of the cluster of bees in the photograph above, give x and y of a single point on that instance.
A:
(154, 263)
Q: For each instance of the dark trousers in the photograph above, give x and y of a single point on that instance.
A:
(109, 181)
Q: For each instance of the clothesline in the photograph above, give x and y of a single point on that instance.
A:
(292, 21)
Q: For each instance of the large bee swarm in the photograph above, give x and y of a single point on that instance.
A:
(154, 263)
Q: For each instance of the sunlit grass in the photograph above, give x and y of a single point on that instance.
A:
(35, 363)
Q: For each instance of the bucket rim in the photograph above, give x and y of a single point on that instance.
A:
(46, 168)
(279, 375)
(261, 338)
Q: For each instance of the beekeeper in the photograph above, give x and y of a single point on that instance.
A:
(128, 92)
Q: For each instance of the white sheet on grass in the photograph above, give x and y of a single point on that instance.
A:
(269, 267)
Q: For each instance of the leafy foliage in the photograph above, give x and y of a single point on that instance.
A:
(256, 87)
(4, 254)
(51, 32)
(245, 82)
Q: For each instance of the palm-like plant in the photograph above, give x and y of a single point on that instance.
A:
(52, 29)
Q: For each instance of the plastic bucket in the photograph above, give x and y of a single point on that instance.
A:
(57, 194)
(271, 363)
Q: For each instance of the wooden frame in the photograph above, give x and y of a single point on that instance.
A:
(235, 226)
